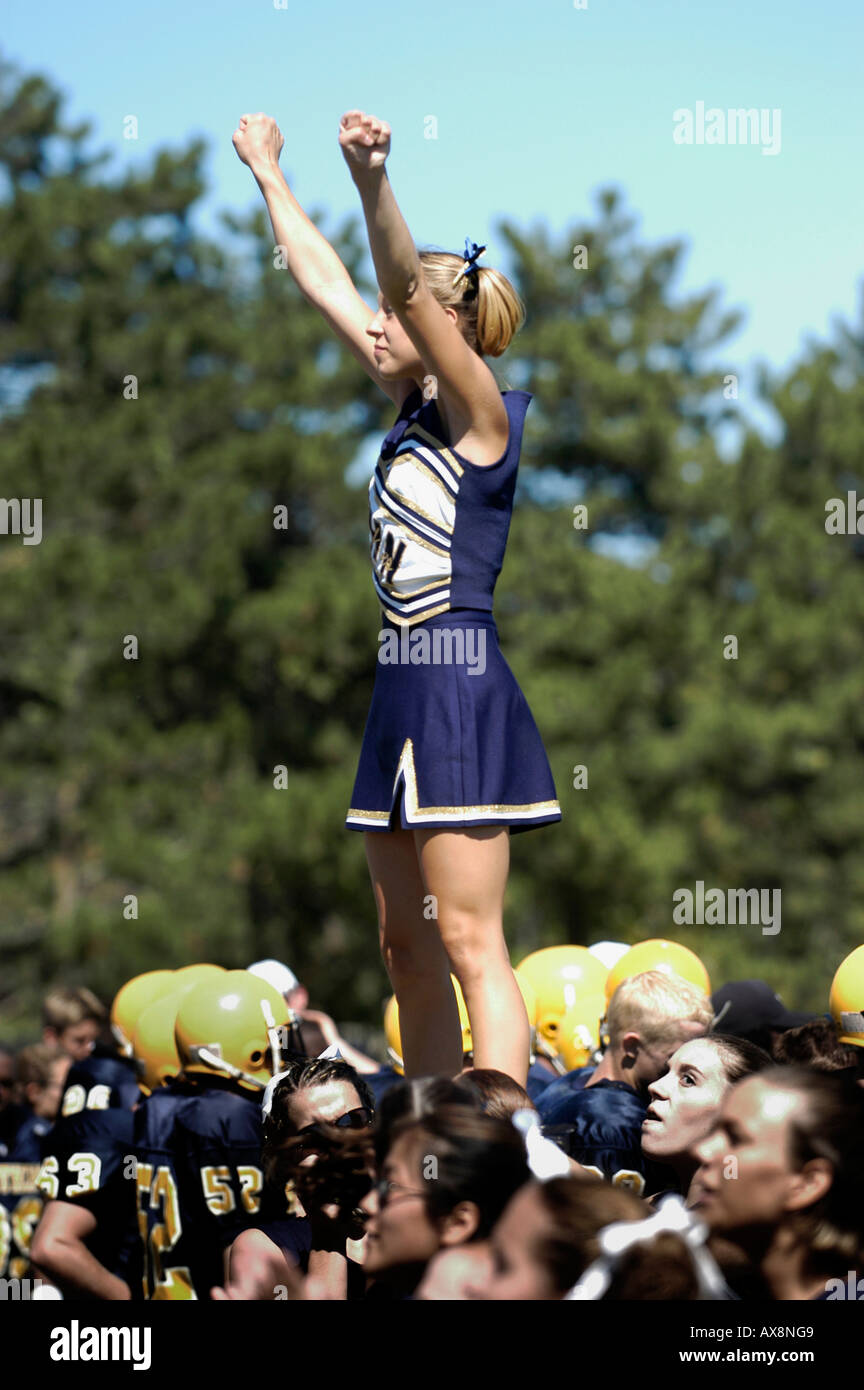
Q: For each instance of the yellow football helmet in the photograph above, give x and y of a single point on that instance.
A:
(529, 996)
(391, 1033)
(568, 982)
(670, 957)
(131, 1000)
(153, 1041)
(230, 1025)
(189, 975)
(394, 1038)
(846, 1000)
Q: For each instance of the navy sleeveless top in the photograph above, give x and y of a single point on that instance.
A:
(439, 522)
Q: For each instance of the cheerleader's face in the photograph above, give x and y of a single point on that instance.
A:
(684, 1101)
(517, 1271)
(396, 356)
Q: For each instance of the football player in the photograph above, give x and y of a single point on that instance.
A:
(198, 1139)
(87, 1240)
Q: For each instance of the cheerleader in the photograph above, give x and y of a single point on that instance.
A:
(452, 762)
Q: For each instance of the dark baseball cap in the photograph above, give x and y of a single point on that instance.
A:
(743, 1007)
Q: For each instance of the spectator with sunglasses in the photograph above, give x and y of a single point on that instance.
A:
(308, 1109)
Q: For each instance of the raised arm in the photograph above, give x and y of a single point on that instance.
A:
(315, 266)
(469, 392)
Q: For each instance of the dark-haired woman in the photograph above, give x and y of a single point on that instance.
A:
(307, 1109)
(549, 1235)
(782, 1176)
(444, 1182)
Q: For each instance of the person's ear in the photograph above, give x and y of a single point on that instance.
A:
(50, 1035)
(810, 1185)
(630, 1045)
(460, 1224)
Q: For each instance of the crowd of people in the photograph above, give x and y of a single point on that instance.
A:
(213, 1137)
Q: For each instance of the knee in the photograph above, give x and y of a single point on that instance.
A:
(408, 960)
(472, 944)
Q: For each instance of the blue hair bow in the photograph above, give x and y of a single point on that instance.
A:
(472, 254)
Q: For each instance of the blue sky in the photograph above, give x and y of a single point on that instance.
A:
(537, 105)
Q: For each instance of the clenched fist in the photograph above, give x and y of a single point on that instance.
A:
(258, 140)
(365, 141)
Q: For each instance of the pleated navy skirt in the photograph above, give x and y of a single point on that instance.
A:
(450, 741)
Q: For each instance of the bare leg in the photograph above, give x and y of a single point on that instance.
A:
(467, 871)
(414, 957)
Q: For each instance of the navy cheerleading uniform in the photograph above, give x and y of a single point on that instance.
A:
(449, 740)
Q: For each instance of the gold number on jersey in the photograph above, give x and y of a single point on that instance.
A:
(251, 1182)
(73, 1100)
(155, 1194)
(216, 1181)
(89, 1170)
(5, 1238)
(47, 1180)
(627, 1177)
(25, 1219)
(77, 1099)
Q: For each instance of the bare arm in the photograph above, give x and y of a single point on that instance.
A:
(358, 1060)
(470, 394)
(317, 269)
(256, 1269)
(58, 1248)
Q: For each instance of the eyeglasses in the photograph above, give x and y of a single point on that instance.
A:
(385, 1188)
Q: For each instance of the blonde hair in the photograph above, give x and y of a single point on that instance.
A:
(652, 1004)
(34, 1064)
(490, 310)
(67, 1006)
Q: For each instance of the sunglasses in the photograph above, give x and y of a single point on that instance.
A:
(360, 1118)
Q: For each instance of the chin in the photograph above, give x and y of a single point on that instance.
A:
(653, 1144)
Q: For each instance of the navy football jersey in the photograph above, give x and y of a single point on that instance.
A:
(292, 1234)
(200, 1182)
(101, 1081)
(29, 1138)
(11, 1118)
(89, 1162)
(540, 1078)
(600, 1126)
(20, 1209)
(561, 1087)
(380, 1082)
(20, 1200)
